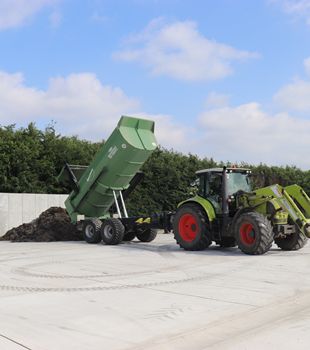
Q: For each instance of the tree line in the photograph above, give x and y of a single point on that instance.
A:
(31, 159)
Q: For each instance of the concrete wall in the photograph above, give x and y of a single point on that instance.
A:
(19, 208)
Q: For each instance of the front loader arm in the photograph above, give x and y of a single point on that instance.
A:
(301, 197)
(292, 199)
(296, 202)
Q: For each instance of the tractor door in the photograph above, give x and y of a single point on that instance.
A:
(210, 188)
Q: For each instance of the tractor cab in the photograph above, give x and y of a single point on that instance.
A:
(218, 183)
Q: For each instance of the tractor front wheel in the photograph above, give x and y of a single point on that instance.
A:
(190, 227)
(253, 232)
(294, 241)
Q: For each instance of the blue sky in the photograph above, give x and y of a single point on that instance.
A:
(228, 79)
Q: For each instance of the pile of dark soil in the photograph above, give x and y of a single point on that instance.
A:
(52, 225)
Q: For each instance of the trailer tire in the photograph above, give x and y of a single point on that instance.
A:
(295, 241)
(191, 228)
(112, 231)
(147, 235)
(129, 236)
(253, 232)
(91, 230)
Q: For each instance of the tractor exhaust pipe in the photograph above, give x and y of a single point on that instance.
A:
(225, 207)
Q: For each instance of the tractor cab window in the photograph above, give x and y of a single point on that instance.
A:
(200, 183)
(238, 182)
(214, 185)
(210, 187)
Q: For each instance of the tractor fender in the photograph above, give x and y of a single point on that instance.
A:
(205, 205)
(269, 207)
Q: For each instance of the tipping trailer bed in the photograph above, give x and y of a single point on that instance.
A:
(99, 187)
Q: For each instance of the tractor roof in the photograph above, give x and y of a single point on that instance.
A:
(220, 170)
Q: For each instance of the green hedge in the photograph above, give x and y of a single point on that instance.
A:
(30, 160)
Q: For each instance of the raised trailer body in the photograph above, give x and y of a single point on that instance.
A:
(112, 169)
(98, 188)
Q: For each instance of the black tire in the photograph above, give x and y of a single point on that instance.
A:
(129, 236)
(147, 235)
(295, 241)
(253, 232)
(91, 230)
(227, 242)
(112, 231)
(190, 227)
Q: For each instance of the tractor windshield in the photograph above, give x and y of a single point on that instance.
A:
(238, 181)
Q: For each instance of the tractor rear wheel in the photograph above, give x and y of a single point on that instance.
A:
(190, 227)
(112, 231)
(295, 241)
(91, 230)
(147, 235)
(253, 232)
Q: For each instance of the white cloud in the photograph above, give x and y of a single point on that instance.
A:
(16, 100)
(179, 51)
(81, 105)
(14, 13)
(215, 99)
(294, 96)
(247, 133)
(296, 8)
(172, 134)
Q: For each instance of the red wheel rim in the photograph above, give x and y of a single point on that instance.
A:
(247, 233)
(188, 227)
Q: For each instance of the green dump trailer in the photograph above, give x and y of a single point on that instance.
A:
(103, 185)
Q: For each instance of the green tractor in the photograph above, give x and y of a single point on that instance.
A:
(227, 211)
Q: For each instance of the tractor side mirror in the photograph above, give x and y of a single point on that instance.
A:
(195, 183)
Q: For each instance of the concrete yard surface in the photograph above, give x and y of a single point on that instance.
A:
(74, 295)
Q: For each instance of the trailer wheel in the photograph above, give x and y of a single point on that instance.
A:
(295, 241)
(253, 232)
(190, 227)
(91, 230)
(147, 235)
(112, 231)
(129, 236)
